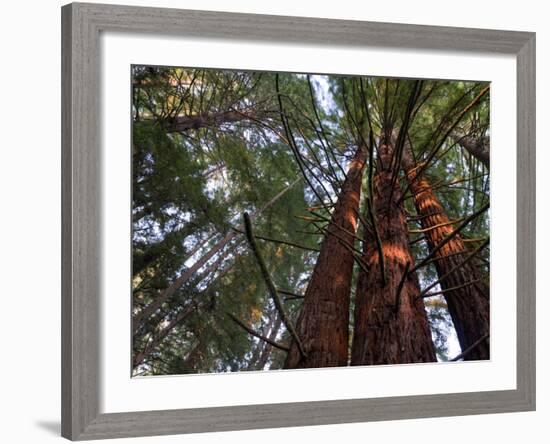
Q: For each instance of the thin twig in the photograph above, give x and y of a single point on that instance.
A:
(290, 293)
(451, 236)
(421, 167)
(433, 227)
(278, 241)
(470, 348)
(354, 252)
(398, 147)
(291, 140)
(456, 267)
(258, 335)
(333, 224)
(458, 287)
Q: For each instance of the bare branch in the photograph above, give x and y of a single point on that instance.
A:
(459, 265)
(256, 334)
(470, 348)
(447, 290)
(278, 241)
(451, 236)
(166, 294)
(270, 285)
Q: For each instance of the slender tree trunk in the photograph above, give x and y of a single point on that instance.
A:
(215, 119)
(167, 293)
(268, 348)
(166, 330)
(193, 363)
(159, 337)
(261, 345)
(479, 148)
(468, 305)
(323, 323)
(390, 322)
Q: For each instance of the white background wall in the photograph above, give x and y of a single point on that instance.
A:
(30, 220)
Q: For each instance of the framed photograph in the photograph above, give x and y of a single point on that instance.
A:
(277, 221)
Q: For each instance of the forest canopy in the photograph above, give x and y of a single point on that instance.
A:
(284, 220)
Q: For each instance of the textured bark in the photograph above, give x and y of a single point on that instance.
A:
(479, 148)
(468, 305)
(323, 323)
(390, 322)
(215, 119)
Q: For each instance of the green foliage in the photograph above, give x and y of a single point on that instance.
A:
(191, 187)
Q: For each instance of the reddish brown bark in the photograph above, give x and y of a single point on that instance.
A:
(468, 305)
(323, 323)
(390, 322)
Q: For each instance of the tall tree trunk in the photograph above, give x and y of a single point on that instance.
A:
(323, 323)
(468, 305)
(390, 322)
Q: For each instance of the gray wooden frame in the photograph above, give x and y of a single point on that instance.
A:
(81, 166)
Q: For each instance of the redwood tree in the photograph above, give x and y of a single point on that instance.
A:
(466, 294)
(291, 150)
(323, 324)
(390, 322)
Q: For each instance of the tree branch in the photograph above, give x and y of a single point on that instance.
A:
(451, 236)
(258, 335)
(166, 294)
(140, 357)
(433, 227)
(458, 287)
(270, 285)
(291, 294)
(456, 267)
(278, 241)
(470, 348)
(421, 167)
